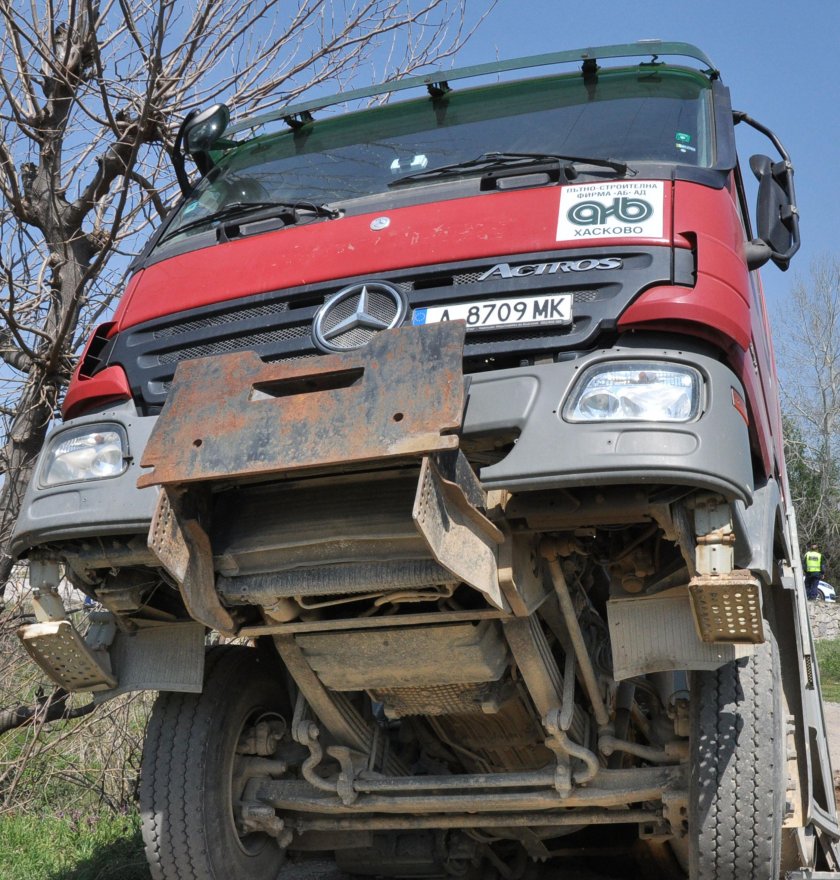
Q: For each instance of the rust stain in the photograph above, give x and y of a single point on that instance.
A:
(235, 416)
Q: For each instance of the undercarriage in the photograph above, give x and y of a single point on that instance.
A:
(425, 677)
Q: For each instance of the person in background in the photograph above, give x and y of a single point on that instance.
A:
(813, 571)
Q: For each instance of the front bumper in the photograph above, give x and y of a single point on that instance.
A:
(711, 452)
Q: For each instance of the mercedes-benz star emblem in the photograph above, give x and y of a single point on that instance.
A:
(351, 317)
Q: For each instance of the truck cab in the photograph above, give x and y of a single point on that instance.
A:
(456, 417)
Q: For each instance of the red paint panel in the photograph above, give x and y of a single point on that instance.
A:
(720, 298)
(110, 384)
(125, 302)
(716, 311)
(720, 307)
(486, 226)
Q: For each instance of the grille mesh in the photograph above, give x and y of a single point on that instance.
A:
(466, 277)
(220, 320)
(236, 343)
(442, 699)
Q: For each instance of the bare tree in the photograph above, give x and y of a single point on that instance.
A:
(99, 753)
(808, 337)
(90, 92)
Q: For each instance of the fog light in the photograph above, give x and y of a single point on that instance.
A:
(85, 453)
(635, 391)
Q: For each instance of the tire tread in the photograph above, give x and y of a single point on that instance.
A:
(172, 776)
(737, 761)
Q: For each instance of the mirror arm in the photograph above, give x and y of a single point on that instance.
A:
(203, 162)
(741, 116)
(756, 253)
(179, 158)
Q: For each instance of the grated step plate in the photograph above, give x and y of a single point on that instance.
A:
(61, 652)
(727, 608)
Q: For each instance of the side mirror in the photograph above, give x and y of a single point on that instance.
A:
(777, 221)
(776, 217)
(198, 132)
(205, 128)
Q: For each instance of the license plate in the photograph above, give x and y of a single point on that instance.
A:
(493, 314)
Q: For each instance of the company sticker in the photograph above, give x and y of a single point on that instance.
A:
(619, 209)
(682, 142)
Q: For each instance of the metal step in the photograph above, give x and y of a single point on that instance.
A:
(727, 607)
(61, 652)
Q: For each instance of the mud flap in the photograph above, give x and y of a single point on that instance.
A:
(168, 657)
(657, 633)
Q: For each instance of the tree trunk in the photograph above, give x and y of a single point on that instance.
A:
(25, 439)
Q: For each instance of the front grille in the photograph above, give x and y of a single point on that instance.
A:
(466, 277)
(278, 325)
(220, 320)
(238, 343)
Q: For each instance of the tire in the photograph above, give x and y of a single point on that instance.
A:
(737, 769)
(186, 798)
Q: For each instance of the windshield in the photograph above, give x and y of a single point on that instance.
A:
(661, 115)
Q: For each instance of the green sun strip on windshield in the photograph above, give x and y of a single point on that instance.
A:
(649, 114)
(500, 101)
(653, 49)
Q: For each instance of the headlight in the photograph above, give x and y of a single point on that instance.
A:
(85, 453)
(635, 391)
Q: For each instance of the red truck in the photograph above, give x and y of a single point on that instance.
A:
(455, 418)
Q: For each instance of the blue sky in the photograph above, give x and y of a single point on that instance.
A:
(779, 59)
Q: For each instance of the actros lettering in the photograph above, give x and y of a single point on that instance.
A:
(623, 209)
(505, 270)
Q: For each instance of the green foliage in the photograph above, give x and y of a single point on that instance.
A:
(67, 788)
(828, 659)
(71, 847)
(815, 491)
(809, 362)
(85, 765)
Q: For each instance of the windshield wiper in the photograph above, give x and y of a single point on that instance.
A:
(287, 211)
(491, 161)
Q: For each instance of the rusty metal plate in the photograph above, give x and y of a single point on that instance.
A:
(235, 416)
(458, 535)
(166, 539)
(183, 548)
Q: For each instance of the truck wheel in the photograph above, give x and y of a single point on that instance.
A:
(186, 780)
(736, 787)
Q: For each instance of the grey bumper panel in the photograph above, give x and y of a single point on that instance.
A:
(112, 506)
(711, 452)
